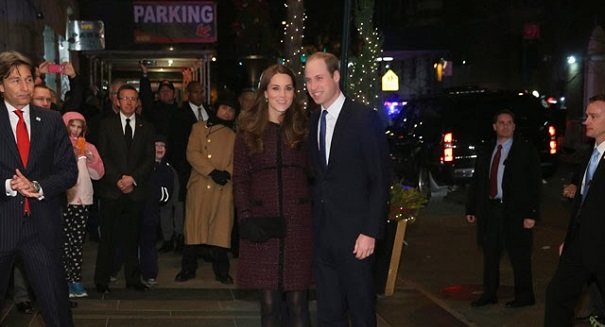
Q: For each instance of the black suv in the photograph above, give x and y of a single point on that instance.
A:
(434, 140)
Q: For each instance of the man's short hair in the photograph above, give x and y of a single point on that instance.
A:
(597, 97)
(503, 111)
(191, 85)
(118, 81)
(331, 61)
(42, 86)
(126, 87)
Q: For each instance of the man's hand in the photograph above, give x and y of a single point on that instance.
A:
(143, 67)
(68, 69)
(128, 189)
(529, 223)
(22, 185)
(126, 184)
(561, 248)
(44, 67)
(569, 190)
(471, 219)
(364, 246)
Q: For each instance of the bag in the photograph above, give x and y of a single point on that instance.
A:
(261, 229)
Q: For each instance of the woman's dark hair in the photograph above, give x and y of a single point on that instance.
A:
(252, 123)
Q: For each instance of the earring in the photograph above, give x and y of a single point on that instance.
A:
(266, 99)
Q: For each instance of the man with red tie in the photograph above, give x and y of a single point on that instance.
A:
(36, 164)
(503, 198)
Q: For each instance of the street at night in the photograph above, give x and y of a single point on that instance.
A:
(229, 153)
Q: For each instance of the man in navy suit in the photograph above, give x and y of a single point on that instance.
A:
(349, 154)
(127, 146)
(582, 254)
(37, 163)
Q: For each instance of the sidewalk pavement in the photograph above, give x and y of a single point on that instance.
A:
(204, 302)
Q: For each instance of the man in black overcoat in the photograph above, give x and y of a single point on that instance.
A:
(503, 198)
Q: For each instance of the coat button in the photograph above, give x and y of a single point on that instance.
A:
(209, 156)
(208, 140)
(208, 186)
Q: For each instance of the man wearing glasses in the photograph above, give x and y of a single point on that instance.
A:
(126, 144)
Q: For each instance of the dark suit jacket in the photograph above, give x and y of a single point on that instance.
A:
(350, 195)
(119, 160)
(51, 162)
(587, 223)
(521, 184)
(180, 128)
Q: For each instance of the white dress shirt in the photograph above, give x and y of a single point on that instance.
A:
(132, 123)
(195, 113)
(601, 149)
(331, 118)
(14, 119)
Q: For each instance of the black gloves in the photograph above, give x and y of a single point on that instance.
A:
(261, 229)
(250, 231)
(220, 177)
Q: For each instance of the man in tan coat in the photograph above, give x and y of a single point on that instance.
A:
(209, 206)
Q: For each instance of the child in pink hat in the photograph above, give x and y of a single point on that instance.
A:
(79, 200)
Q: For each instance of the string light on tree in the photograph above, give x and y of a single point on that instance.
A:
(363, 69)
(293, 36)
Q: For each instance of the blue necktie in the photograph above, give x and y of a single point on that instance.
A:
(322, 137)
(592, 166)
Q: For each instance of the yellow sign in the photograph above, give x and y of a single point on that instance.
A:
(390, 81)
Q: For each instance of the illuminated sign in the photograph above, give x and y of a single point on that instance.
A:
(390, 81)
(174, 22)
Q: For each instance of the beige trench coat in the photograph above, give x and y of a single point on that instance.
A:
(209, 209)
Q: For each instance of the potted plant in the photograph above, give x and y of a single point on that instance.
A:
(404, 204)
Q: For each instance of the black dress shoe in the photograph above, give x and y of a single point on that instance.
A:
(483, 301)
(136, 286)
(73, 304)
(184, 275)
(25, 307)
(520, 303)
(225, 279)
(103, 289)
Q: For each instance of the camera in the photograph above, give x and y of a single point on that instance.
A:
(55, 68)
(146, 62)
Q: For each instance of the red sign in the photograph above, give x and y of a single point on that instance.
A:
(174, 21)
(531, 31)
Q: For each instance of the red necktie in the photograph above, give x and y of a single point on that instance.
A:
(493, 175)
(23, 145)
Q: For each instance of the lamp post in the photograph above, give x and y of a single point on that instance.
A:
(346, 36)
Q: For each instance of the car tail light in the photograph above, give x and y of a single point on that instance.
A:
(448, 150)
(552, 133)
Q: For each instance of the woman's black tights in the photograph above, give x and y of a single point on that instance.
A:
(285, 309)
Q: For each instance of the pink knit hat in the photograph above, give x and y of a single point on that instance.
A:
(70, 115)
